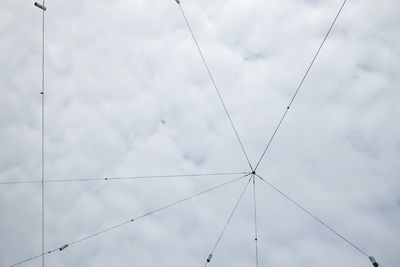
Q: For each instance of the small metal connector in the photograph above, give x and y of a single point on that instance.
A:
(209, 258)
(63, 247)
(42, 7)
(373, 261)
(178, 2)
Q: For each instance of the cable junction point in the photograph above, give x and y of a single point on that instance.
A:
(252, 173)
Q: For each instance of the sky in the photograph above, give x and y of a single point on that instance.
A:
(127, 95)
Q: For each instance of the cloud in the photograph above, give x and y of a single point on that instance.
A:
(127, 94)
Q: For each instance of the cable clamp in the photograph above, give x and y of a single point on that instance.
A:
(178, 2)
(209, 258)
(42, 7)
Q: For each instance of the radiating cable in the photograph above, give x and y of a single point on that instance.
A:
(300, 84)
(214, 84)
(122, 178)
(43, 133)
(313, 216)
(255, 218)
(227, 223)
(132, 220)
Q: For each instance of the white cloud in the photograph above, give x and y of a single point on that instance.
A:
(127, 94)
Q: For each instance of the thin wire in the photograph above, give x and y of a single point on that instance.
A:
(122, 178)
(301, 83)
(229, 219)
(255, 218)
(34, 257)
(133, 219)
(215, 85)
(313, 216)
(43, 133)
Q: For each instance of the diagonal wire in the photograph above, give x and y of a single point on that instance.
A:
(313, 216)
(131, 220)
(255, 218)
(122, 178)
(227, 222)
(214, 84)
(300, 84)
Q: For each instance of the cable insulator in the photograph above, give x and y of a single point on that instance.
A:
(42, 7)
(63, 247)
(373, 261)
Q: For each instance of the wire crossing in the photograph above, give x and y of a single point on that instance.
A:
(255, 218)
(214, 84)
(131, 220)
(300, 84)
(122, 178)
(313, 216)
(227, 223)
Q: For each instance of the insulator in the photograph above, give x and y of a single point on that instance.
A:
(63, 247)
(373, 261)
(42, 7)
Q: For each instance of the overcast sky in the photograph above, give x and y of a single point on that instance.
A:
(127, 94)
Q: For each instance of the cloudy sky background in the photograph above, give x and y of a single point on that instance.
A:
(127, 95)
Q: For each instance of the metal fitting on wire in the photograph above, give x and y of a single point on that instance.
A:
(63, 247)
(373, 261)
(42, 7)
